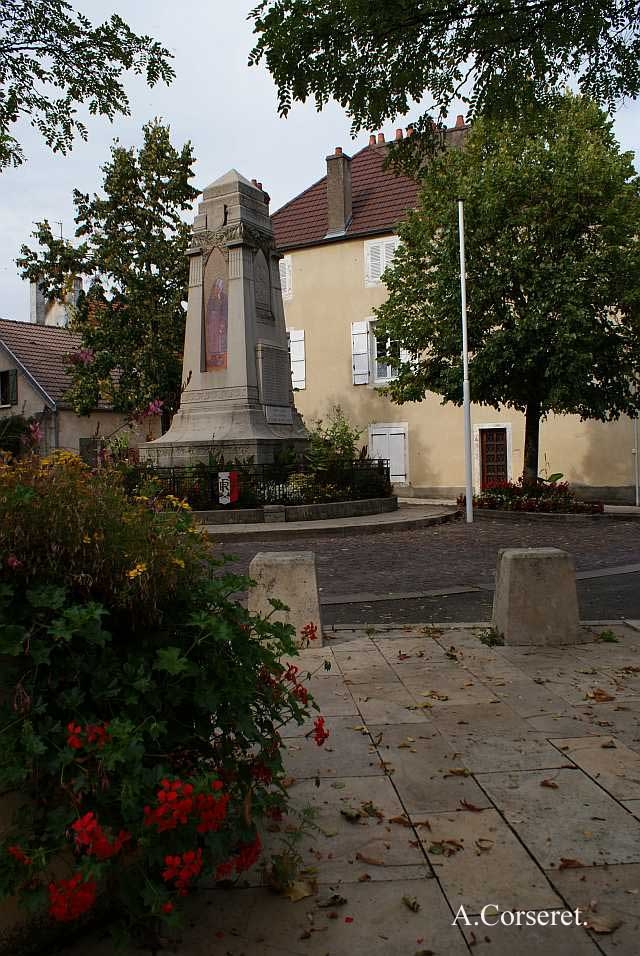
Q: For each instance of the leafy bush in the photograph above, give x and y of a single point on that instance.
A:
(543, 496)
(139, 704)
(333, 441)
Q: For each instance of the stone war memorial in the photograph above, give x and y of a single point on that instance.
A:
(237, 399)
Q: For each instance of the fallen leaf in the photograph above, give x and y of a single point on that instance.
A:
(339, 785)
(288, 782)
(458, 772)
(438, 696)
(334, 900)
(466, 805)
(484, 845)
(445, 847)
(566, 863)
(364, 878)
(411, 903)
(369, 860)
(351, 815)
(369, 809)
(401, 821)
(348, 919)
(600, 922)
(299, 890)
(551, 784)
(599, 695)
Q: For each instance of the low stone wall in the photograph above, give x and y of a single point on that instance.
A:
(312, 512)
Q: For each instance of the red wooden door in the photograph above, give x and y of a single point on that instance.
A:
(493, 456)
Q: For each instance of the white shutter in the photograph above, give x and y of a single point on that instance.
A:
(360, 352)
(298, 362)
(285, 277)
(389, 247)
(374, 264)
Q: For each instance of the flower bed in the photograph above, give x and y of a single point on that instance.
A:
(140, 705)
(541, 497)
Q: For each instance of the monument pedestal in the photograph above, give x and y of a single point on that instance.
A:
(237, 402)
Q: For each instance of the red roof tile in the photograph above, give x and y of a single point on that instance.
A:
(380, 199)
(42, 350)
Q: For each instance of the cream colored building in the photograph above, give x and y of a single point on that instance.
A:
(337, 237)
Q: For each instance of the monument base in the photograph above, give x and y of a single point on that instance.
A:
(177, 454)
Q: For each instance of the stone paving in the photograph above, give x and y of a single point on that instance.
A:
(456, 774)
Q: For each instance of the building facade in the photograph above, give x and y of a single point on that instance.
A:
(337, 238)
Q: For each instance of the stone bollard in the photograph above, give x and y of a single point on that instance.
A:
(289, 576)
(535, 600)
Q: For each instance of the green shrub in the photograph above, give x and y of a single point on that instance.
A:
(541, 496)
(139, 703)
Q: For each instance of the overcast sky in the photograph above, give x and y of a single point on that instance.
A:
(226, 109)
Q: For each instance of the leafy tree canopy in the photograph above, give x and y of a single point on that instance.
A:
(553, 271)
(53, 58)
(133, 244)
(376, 56)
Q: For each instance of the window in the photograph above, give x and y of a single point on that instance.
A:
(378, 256)
(9, 387)
(297, 357)
(286, 283)
(369, 355)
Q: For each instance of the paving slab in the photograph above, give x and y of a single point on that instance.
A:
(348, 751)
(529, 699)
(572, 724)
(530, 940)
(478, 860)
(387, 703)
(374, 921)
(423, 648)
(573, 820)
(341, 848)
(485, 719)
(614, 766)
(448, 685)
(615, 892)
(332, 696)
(483, 754)
(425, 770)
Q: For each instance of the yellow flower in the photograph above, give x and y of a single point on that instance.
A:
(86, 539)
(135, 572)
(178, 562)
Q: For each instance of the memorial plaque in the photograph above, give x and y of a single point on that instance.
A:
(279, 414)
(275, 375)
(216, 313)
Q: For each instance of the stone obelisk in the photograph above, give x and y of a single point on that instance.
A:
(238, 399)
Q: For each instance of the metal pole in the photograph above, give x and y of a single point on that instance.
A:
(636, 461)
(466, 394)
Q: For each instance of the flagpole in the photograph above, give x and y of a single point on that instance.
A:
(466, 393)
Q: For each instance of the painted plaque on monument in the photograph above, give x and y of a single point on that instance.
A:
(216, 312)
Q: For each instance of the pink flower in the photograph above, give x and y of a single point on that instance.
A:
(13, 562)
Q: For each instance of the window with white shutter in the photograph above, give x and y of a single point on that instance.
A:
(286, 277)
(378, 256)
(297, 356)
(360, 352)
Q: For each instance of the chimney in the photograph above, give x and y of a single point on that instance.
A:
(398, 134)
(338, 193)
(460, 121)
(372, 139)
(409, 130)
(380, 138)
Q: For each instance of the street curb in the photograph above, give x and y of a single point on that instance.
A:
(496, 514)
(237, 532)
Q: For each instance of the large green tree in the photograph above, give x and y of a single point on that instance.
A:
(376, 56)
(53, 59)
(553, 271)
(133, 243)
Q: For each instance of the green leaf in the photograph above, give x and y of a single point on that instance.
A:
(171, 660)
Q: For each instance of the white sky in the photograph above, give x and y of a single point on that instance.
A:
(226, 109)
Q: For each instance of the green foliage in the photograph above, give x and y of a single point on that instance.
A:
(332, 441)
(53, 59)
(491, 637)
(129, 672)
(377, 58)
(607, 637)
(133, 242)
(552, 215)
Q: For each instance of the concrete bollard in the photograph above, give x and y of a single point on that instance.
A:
(289, 576)
(535, 600)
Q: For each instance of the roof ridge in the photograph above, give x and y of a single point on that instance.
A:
(317, 182)
(37, 325)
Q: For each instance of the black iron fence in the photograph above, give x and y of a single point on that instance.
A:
(254, 485)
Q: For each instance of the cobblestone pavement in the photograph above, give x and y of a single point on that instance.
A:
(448, 554)
(503, 780)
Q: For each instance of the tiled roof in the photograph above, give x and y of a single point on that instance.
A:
(42, 350)
(380, 199)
